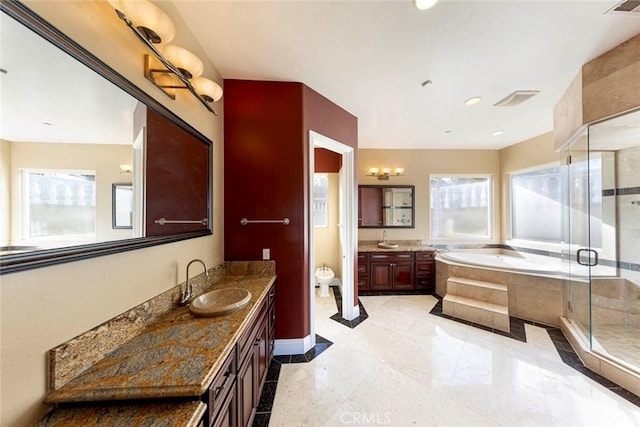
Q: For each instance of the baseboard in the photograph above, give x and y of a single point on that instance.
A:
(293, 345)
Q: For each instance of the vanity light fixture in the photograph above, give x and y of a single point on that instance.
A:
(175, 67)
(424, 4)
(385, 173)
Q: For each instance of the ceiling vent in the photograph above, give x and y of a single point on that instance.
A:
(625, 7)
(516, 98)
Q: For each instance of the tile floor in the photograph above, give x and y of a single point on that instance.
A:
(622, 341)
(406, 367)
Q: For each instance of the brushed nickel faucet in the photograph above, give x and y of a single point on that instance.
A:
(187, 291)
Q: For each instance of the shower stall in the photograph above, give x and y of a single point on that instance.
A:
(601, 233)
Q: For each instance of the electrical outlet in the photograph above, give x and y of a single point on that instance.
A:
(266, 254)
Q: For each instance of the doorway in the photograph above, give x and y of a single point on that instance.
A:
(347, 226)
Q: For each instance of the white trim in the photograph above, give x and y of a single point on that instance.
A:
(348, 222)
(293, 345)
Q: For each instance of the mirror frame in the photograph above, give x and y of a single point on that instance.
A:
(413, 206)
(41, 258)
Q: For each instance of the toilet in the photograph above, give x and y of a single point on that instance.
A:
(324, 276)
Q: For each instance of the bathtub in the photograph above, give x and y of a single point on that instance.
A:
(500, 262)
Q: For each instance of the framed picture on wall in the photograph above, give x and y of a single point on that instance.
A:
(122, 205)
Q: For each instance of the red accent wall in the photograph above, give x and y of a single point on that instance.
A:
(266, 177)
(326, 161)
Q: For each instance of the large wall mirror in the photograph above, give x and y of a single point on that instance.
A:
(71, 129)
(386, 206)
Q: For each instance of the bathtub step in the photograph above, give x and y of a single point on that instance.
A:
(493, 293)
(480, 312)
(479, 302)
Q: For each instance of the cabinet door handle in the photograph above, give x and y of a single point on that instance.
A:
(217, 391)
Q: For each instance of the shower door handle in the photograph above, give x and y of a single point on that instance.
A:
(589, 263)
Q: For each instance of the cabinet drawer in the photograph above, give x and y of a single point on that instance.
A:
(272, 295)
(363, 283)
(363, 256)
(391, 256)
(424, 267)
(221, 385)
(425, 283)
(363, 269)
(245, 344)
(425, 255)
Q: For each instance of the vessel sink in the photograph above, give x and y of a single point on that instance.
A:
(386, 245)
(220, 302)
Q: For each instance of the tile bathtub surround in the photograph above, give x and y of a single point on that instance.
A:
(190, 349)
(404, 366)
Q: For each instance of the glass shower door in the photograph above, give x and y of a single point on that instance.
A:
(576, 237)
(601, 255)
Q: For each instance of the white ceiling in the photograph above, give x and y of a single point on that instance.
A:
(48, 96)
(370, 57)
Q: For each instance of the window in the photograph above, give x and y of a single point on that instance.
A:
(320, 198)
(461, 207)
(58, 204)
(536, 205)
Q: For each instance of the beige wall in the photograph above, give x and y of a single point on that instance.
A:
(104, 159)
(5, 192)
(527, 154)
(327, 240)
(418, 165)
(44, 307)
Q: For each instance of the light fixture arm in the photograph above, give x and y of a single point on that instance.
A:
(168, 65)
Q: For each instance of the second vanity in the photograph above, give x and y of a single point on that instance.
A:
(407, 268)
(180, 369)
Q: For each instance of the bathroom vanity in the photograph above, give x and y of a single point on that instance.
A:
(406, 269)
(178, 370)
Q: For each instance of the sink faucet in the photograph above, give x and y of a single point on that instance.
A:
(384, 236)
(186, 293)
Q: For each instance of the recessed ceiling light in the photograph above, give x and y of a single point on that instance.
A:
(472, 101)
(498, 132)
(424, 4)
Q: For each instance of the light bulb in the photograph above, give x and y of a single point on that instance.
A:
(209, 90)
(189, 64)
(154, 24)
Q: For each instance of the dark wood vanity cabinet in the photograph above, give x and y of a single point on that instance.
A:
(396, 271)
(234, 394)
(425, 271)
(363, 271)
(391, 271)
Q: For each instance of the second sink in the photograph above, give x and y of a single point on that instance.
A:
(386, 245)
(220, 302)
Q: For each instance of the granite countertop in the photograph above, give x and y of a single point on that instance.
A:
(403, 246)
(187, 414)
(176, 356)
